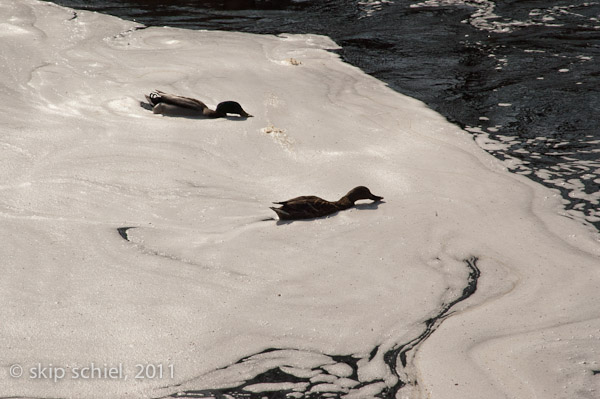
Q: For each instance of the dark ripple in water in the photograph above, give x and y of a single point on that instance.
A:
(463, 58)
(278, 383)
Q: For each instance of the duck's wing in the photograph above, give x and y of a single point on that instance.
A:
(306, 207)
(299, 199)
(179, 101)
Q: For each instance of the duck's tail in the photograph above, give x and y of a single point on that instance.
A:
(283, 215)
(154, 97)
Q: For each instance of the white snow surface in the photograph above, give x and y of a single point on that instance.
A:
(208, 278)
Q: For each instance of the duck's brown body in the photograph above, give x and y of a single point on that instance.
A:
(173, 105)
(308, 207)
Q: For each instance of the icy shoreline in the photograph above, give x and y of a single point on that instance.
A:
(204, 280)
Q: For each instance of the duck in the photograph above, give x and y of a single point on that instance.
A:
(173, 105)
(309, 207)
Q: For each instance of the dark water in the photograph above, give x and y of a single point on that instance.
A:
(522, 76)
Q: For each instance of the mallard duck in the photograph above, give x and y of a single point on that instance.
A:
(170, 104)
(308, 207)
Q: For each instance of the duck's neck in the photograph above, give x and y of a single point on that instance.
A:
(344, 203)
(211, 113)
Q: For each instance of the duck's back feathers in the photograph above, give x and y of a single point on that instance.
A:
(305, 207)
(158, 96)
(302, 199)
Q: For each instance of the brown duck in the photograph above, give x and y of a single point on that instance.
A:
(172, 105)
(308, 207)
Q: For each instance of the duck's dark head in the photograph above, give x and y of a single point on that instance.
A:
(231, 107)
(361, 192)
